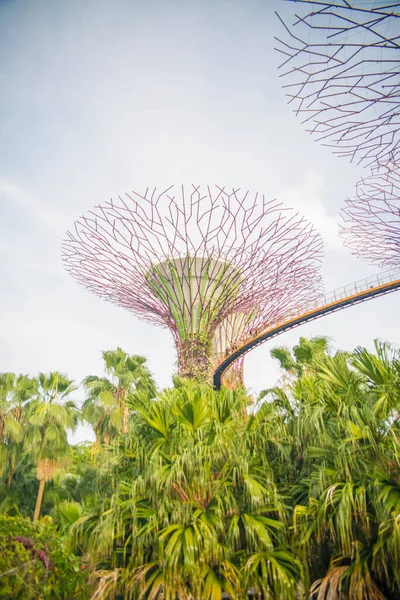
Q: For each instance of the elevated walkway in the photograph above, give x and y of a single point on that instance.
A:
(354, 293)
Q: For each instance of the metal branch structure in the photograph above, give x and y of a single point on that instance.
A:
(342, 65)
(205, 262)
(372, 218)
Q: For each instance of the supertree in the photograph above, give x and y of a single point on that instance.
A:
(203, 262)
(343, 70)
(372, 218)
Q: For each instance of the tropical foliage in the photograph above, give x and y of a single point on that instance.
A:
(107, 405)
(192, 494)
(196, 511)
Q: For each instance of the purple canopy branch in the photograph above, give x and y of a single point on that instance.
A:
(372, 218)
(344, 75)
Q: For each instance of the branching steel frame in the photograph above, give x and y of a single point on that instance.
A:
(343, 64)
(371, 219)
(344, 75)
(198, 260)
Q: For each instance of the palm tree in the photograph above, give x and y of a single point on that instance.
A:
(15, 392)
(303, 356)
(50, 415)
(109, 398)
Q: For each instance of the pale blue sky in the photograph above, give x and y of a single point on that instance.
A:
(102, 97)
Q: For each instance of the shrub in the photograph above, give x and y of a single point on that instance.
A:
(36, 563)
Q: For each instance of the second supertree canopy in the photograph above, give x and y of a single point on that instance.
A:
(372, 218)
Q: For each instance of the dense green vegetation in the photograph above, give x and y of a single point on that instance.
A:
(35, 562)
(189, 493)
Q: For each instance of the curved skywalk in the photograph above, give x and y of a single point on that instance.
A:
(354, 293)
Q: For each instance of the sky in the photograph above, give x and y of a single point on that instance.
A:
(103, 97)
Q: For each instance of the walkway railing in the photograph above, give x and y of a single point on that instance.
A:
(347, 295)
(363, 285)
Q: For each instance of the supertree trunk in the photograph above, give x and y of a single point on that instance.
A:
(196, 360)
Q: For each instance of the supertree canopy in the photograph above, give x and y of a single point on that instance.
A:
(342, 65)
(372, 218)
(204, 262)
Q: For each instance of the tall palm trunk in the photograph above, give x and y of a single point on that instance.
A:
(39, 500)
(120, 397)
(44, 472)
(126, 420)
(11, 474)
